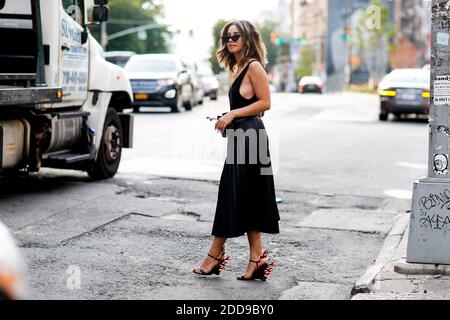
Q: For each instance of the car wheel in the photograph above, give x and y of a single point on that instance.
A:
(383, 116)
(191, 103)
(178, 106)
(110, 149)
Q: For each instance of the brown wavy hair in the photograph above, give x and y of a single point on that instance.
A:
(254, 47)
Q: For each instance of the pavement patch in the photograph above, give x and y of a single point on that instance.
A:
(182, 216)
(317, 291)
(399, 194)
(366, 221)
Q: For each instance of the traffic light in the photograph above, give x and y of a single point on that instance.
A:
(279, 41)
(347, 33)
(274, 37)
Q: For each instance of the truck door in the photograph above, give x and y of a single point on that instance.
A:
(74, 55)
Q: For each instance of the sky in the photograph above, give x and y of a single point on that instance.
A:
(200, 16)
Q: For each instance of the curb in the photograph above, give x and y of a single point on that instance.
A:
(421, 270)
(392, 241)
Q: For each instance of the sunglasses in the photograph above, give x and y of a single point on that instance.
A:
(234, 38)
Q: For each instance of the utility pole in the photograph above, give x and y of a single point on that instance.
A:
(348, 13)
(104, 35)
(429, 236)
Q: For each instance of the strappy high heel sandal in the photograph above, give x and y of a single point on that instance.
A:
(262, 272)
(222, 262)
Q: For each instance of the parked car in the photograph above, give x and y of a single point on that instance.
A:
(160, 80)
(199, 93)
(119, 58)
(404, 91)
(210, 83)
(310, 84)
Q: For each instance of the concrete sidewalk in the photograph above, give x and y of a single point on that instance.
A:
(392, 278)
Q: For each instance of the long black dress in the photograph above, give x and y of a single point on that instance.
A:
(246, 199)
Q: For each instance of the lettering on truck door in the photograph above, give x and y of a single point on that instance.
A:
(74, 55)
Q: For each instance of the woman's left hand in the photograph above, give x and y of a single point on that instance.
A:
(225, 121)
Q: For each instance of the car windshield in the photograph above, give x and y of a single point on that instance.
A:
(151, 65)
(205, 72)
(418, 76)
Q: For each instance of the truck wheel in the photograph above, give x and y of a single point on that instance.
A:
(110, 149)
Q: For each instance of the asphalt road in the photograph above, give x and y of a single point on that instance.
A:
(343, 178)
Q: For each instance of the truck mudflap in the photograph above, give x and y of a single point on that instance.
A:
(29, 96)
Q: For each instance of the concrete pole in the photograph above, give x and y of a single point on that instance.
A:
(429, 237)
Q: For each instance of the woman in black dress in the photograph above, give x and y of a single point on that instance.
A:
(246, 201)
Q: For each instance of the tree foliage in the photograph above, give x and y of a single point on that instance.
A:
(375, 30)
(125, 14)
(218, 26)
(305, 63)
(266, 29)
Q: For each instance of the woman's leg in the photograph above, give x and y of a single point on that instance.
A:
(256, 251)
(216, 250)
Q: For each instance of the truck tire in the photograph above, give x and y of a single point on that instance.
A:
(110, 149)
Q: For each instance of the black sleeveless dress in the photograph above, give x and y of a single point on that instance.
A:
(246, 200)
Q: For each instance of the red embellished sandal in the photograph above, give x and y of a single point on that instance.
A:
(262, 272)
(222, 262)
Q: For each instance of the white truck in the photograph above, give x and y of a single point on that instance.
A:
(61, 102)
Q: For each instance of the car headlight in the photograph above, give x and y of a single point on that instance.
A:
(171, 94)
(166, 82)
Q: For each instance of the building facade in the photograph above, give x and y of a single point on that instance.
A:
(413, 39)
(331, 29)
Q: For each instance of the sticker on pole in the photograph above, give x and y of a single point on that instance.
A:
(442, 90)
(442, 38)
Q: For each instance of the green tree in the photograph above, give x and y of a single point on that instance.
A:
(125, 14)
(218, 26)
(266, 29)
(305, 63)
(374, 31)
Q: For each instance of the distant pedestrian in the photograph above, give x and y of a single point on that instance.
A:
(246, 200)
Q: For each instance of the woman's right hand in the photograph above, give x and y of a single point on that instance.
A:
(224, 121)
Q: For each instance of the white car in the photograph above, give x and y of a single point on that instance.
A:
(311, 84)
(210, 83)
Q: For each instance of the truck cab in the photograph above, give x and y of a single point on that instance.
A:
(61, 102)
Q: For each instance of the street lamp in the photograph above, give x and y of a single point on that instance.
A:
(140, 30)
(347, 15)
